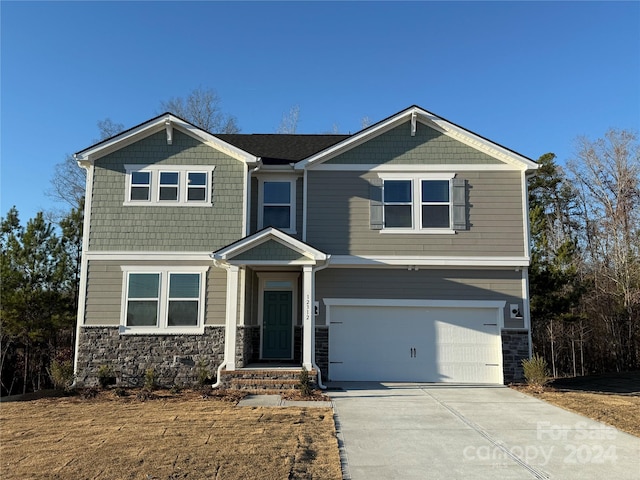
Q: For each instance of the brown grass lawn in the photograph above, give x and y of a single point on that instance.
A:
(171, 437)
(620, 411)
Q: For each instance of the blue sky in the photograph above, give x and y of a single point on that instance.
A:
(531, 76)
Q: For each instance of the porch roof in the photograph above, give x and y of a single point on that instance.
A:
(269, 246)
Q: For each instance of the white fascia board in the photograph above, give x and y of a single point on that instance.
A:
(155, 125)
(354, 140)
(458, 133)
(394, 302)
(148, 256)
(352, 260)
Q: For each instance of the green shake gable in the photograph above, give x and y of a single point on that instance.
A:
(426, 147)
(118, 226)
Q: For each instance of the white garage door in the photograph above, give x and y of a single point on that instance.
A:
(415, 343)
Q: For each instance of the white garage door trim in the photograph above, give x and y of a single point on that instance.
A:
(496, 306)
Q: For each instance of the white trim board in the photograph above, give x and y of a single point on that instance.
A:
(131, 256)
(365, 260)
(390, 302)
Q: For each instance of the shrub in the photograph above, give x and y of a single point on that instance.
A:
(150, 379)
(62, 370)
(203, 376)
(106, 376)
(304, 384)
(536, 372)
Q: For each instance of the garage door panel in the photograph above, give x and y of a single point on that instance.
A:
(427, 344)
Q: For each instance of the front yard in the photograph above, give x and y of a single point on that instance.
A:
(171, 437)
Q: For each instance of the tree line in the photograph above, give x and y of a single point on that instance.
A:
(584, 274)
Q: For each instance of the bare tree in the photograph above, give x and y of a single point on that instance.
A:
(68, 181)
(606, 173)
(202, 108)
(289, 122)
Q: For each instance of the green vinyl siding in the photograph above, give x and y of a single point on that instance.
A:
(270, 250)
(424, 284)
(339, 218)
(104, 291)
(427, 147)
(118, 227)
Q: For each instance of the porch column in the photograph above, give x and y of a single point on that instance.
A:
(231, 317)
(308, 318)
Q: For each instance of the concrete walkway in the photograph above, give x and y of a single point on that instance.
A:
(436, 431)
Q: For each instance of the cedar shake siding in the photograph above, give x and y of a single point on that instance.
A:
(118, 227)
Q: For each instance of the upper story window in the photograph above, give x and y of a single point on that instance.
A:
(140, 189)
(277, 204)
(419, 203)
(163, 300)
(183, 185)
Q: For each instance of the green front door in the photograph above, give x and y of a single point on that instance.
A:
(277, 325)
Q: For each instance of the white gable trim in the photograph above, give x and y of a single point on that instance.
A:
(169, 123)
(427, 118)
(270, 233)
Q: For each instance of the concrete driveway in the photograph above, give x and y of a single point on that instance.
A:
(438, 431)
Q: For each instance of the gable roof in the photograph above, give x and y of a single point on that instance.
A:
(167, 121)
(279, 149)
(308, 253)
(416, 114)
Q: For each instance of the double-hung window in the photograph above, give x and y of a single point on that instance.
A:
(417, 203)
(177, 185)
(277, 204)
(140, 186)
(169, 182)
(163, 300)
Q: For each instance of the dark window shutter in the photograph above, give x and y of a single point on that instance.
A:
(375, 202)
(212, 185)
(459, 204)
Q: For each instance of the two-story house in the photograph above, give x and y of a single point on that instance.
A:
(398, 253)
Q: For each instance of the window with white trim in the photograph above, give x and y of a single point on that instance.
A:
(183, 185)
(163, 300)
(277, 204)
(140, 186)
(417, 203)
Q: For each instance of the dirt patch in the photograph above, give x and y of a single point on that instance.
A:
(165, 436)
(618, 410)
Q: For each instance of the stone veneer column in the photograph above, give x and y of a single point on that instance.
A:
(515, 348)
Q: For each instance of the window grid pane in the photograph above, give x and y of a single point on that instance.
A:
(184, 285)
(279, 217)
(144, 285)
(196, 187)
(435, 191)
(435, 216)
(277, 193)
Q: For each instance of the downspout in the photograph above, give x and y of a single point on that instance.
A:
(217, 264)
(317, 269)
(248, 209)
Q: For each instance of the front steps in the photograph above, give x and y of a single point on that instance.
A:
(264, 380)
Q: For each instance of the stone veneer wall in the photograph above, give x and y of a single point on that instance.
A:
(173, 357)
(515, 348)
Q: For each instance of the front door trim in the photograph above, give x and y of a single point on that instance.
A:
(264, 279)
